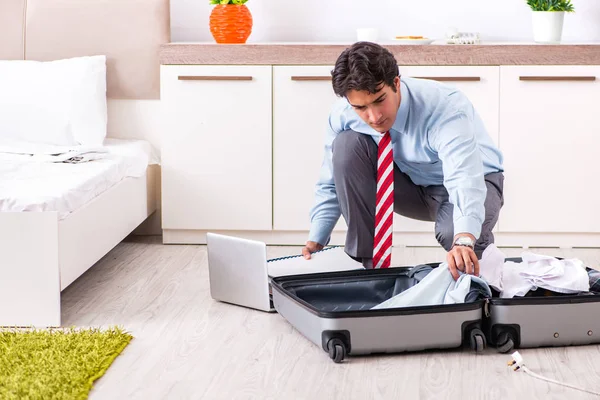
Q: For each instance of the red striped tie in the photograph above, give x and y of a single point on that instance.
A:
(384, 204)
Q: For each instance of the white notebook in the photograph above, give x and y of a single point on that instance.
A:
(329, 259)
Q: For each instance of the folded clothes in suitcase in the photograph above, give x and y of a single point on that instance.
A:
(335, 311)
(544, 318)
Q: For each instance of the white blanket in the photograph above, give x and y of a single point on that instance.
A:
(42, 182)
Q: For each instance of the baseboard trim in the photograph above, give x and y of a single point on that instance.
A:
(408, 239)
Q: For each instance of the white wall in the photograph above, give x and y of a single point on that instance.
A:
(337, 20)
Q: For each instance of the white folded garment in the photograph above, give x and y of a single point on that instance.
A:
(539, 271)
(73, 157)
(516, 279)
(513, 284)
(42, 152)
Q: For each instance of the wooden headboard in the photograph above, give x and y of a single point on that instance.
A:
(128, 32)
(12, 23)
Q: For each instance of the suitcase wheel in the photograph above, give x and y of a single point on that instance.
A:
(337, 350)
(505, 342)
(478, 341)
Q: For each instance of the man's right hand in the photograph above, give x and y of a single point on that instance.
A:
(311, 247)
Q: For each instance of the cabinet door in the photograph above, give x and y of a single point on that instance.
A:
(216, 147)
(302, 99)
(481, 86)
(550, 138)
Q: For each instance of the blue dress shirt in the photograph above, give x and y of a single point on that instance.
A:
(438, 139)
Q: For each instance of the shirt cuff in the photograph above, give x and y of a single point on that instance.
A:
(467, 224)
(320, 232)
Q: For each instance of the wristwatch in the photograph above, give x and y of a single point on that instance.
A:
(465, 241)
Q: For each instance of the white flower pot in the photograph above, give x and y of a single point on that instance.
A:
(547, 26)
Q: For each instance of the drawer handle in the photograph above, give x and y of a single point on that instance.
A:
(557, 78)
(214, 78)
(451, 78)
(311, 78)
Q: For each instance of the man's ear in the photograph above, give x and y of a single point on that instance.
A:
(397, 83)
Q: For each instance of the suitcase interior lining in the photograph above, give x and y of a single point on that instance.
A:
(351, 295)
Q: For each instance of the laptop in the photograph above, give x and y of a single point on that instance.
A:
(238, 271)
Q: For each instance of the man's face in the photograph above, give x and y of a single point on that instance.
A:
(377, 109)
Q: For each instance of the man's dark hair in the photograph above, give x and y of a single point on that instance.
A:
(364, 66)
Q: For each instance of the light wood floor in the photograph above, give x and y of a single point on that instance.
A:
(188, 346)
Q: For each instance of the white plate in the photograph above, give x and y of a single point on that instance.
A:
(413, 41)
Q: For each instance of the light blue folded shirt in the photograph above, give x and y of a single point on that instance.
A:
(438, 287)
(438, 139)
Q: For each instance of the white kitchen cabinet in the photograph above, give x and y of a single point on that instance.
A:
(216, 147)
(550, 138)
(481, 85)
(302, 100)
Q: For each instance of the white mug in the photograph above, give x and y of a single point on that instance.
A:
(367, 34)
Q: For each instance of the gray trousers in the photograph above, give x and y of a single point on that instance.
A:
(355, 178)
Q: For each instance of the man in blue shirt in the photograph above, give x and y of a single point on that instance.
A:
(446, 167)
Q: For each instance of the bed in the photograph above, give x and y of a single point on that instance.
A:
(59, 212)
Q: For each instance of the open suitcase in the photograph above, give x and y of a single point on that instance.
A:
(542, 321)
(333, 310)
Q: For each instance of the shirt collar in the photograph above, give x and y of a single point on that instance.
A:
(402, 116)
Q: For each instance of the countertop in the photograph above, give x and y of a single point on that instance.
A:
(431, 54)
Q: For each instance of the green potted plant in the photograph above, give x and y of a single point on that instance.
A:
(230, 21)
(547, 19)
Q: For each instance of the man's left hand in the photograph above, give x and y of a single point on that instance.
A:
(462, 258)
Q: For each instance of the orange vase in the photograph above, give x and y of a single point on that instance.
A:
(230, 23)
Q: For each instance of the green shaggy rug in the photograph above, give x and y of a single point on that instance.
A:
(56, 363)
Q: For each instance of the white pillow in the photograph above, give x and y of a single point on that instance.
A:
(59, 102)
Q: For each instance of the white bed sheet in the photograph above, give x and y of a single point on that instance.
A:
(28, 183)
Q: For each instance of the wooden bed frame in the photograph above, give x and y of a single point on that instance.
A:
(41, 255)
